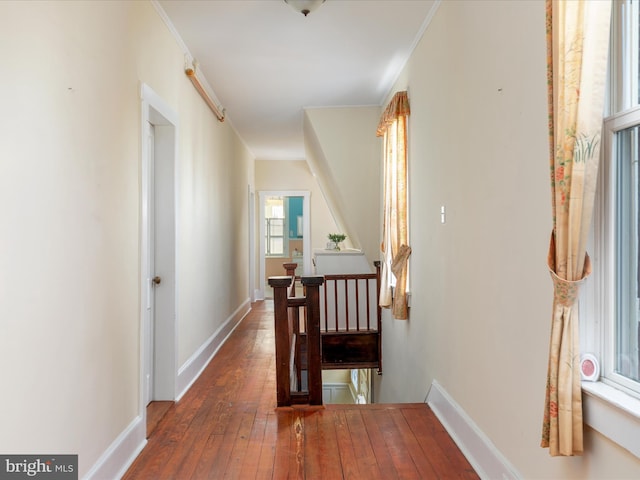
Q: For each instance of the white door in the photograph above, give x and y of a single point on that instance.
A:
(158, 288)
(163, 271)
(149, 335)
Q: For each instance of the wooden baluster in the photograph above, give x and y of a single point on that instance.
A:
(336, 304)
(314, 349)
(326, 311)
(368, 305)
(282, 337)
(346, 303)
(290, 268)
(357, 305)
(297, 356)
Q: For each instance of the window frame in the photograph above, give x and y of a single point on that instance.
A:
(610, 406)
(605, 239)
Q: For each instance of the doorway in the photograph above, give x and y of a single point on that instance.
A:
(285, 234)
(158, 259)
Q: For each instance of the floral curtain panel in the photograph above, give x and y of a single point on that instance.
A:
(393, 126)
(577, 48)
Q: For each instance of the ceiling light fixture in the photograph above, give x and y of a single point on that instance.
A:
(305, 7)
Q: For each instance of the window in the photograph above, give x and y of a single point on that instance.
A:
(620, 241)
(393, 127)
(617, 234)
(274, 226)
(275, 236)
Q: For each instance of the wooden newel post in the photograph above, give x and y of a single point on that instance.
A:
(281, 318)
(290, 268)
(314, 354)
(378, 265)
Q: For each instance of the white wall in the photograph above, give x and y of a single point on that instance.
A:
(70, 212)
(481, 304)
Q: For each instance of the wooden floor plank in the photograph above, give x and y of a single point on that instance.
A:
(327, 446)
(155, 413)
(348, 458)
(266, 461)
(249, 464)
(378, 444)
(363, 450)
(413, 448)
(396, 447)
(283, 444)
(238, 455)
(312, 446)
(438, 447)
(208, 456)
(227, 426)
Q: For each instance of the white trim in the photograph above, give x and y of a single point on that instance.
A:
(195, 365)
(482, 454)
(156, 111)
(613, 413)
(188, 57)
(252, 243)
(152, 98)
(117, 459)
(399, 68)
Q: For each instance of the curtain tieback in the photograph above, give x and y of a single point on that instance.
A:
(565, 292)
(400, 260)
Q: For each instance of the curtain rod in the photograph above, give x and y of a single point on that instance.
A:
(191, 73)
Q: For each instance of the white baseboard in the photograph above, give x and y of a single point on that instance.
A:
(117, 459)
(193, 367)
(481, 453)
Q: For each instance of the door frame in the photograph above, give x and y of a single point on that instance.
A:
(253, 293)
(306, 230)
(164, 334)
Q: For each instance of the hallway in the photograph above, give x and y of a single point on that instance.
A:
(227, 426)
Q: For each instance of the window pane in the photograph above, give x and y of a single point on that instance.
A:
(276, 227)
(635, 40)
(625, 56)
(274, 234)
(627, 330)
(277, 246)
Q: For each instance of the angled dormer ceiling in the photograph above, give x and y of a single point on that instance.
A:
(266, 62)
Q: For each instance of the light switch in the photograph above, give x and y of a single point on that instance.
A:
(442, 214)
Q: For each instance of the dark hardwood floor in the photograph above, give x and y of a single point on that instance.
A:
(155, 413)
(227, 426)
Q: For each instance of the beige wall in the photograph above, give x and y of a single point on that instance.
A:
(288, 175)
(345, 154)
(481, 304)
(70, 215)
(273, 265)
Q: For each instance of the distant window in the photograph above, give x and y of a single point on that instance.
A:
(275, 226)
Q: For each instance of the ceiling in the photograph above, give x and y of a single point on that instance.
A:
(266, 62)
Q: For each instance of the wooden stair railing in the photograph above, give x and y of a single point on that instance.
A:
(350, 319)
(290, 362)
